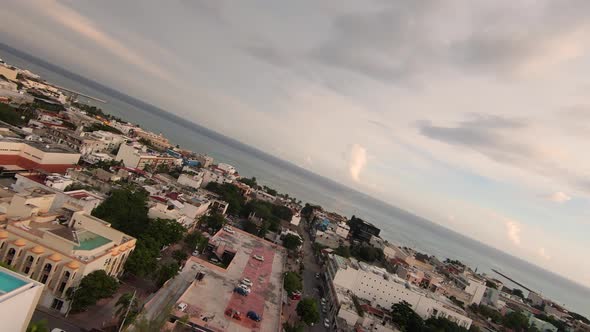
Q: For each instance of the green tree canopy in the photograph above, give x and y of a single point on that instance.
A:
(93, 287)
(516, 321)
(126, 210)
(38, 326)
(291, 242)
(214, 221)
(307, 309)
(250, 182)
(404, 316)
(229, 193)
(292, 282)
(343, 251)
(179, 255)
(167, 271)
(127, 304)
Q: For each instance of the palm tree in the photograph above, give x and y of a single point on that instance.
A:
(126, 302)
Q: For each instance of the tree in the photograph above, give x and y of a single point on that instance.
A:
(127, 308)
(229, 193)
(166, 271)
(516, 321)
(249, 182)
(126, 210)
(404, 316)
(490, 284)
(367, 253)
(291, 241)
(293, 328)
(93, 287)
(214, 221)
(292, 282)
(38, 326)
(167, 231)
(343, 251)
(518, 292)
(250, 227)
(179, 255)
(193, 240)
(307, 309)
(442, 324)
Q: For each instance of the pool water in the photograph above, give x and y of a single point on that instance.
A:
(8, 283)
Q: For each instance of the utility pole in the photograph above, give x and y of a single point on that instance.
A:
(127, 311)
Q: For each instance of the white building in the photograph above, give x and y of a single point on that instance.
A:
(58, 181)
(214, 176)
(138, 156)
(125, 128)
(383, 289)
(18, 298)
(342, 230)
(110, 140)
(227, 168)
(191, 180)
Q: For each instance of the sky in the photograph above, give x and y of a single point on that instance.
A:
(472, 114)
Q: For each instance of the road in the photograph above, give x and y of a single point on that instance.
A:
(55, 321)
(170, 292)
(310, 283)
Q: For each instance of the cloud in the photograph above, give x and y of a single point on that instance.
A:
(543, 254)
(513, 231)
(357, 161)
(559, 197)
(85, 27)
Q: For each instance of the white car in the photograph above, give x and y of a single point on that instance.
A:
(228, 229)
(196, 253)
(259, 258)
(182, 306)
(326, 323)
(323, 300)
(247, 282)
(245, 287)
(57, 330)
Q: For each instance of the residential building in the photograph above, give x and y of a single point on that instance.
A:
(169, 211)
(18, 298)
(8, 72)
(214, 176)
(382, 289)
(58, 181)
(540, 324)
(343, 230)
(329, 238)
(125, 128)
(158, 141)
(36, 155)
(536, 299)
(57, 247)
(191, 180)
(204, 160)
(140, 157)
(6, 84)
(96, 157)
(110, 140)
(227, 168)
(219, 206)
(75, 140)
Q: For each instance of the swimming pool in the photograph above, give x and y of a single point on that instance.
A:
(8, 283)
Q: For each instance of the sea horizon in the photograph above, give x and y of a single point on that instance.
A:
(357, 197)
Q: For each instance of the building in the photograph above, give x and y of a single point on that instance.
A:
(536, 299)
(214, 176)
(204, 160)
(191, 180)
(36, 155)
(58, 181)
(125, 128)
(140, 157)
(227, 168)
(8, 72)
(158, 141)
(219, 206)
(343, 230)
(18, 298)
(361, 230)
(57, 247)
(6, 84)
(75, 140)
(382, 289)
(540, 324)
(111, 141)
(329, 239)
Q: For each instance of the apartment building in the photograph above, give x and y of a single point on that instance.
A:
(36, 155)
(382, 289)
(57, 247)
(158, 141)
(138, 156)
(19, 296)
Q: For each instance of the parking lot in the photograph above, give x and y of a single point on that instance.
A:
(208, 299)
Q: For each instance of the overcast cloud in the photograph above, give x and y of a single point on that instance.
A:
(472, 114)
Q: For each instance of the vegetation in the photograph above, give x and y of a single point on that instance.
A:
(78, 186)
(214, 221)
(307, 309)
(179, 256)
(487, 312)
(515, 321)
(39, 326)
(518, 292)
(6, 266)
(454, 262)
(357, 306)
(165, 272)
(126, 210)
(101, 126)
(293, 328)
(10, 115)
(342, 251)
(127, 308)
(490, 284)
(195, 240)
(250, 182)
(291, 242)
(406, 318)
(367, 253)
(561, 326)
(292, 282)
(93, 287)
(229, 193)
(95, 111)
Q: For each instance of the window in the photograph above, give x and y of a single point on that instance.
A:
(10, 256)
(28, 264)
(57, 304)
(45, 273)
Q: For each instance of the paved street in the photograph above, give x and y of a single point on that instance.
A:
(55, 321)
(310, 283)
(170, 293)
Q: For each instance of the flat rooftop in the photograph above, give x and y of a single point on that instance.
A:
(12, 284)
(209, 298)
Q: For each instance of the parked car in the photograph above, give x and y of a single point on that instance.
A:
(245, 288)
(246, 282)
(214, 260)
(317, 275)
(182, 306)
(326, 323)
(196, 253)
(296, 295)
(323, 300)
(253, 316)
(240, 291)
(233, 314)
(228, 229)
(259, 258)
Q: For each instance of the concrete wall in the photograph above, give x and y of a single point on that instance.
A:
(16, 308)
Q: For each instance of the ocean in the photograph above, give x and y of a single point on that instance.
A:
(398, 226)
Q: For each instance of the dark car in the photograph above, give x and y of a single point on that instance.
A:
(253, 316)
(241, 291)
